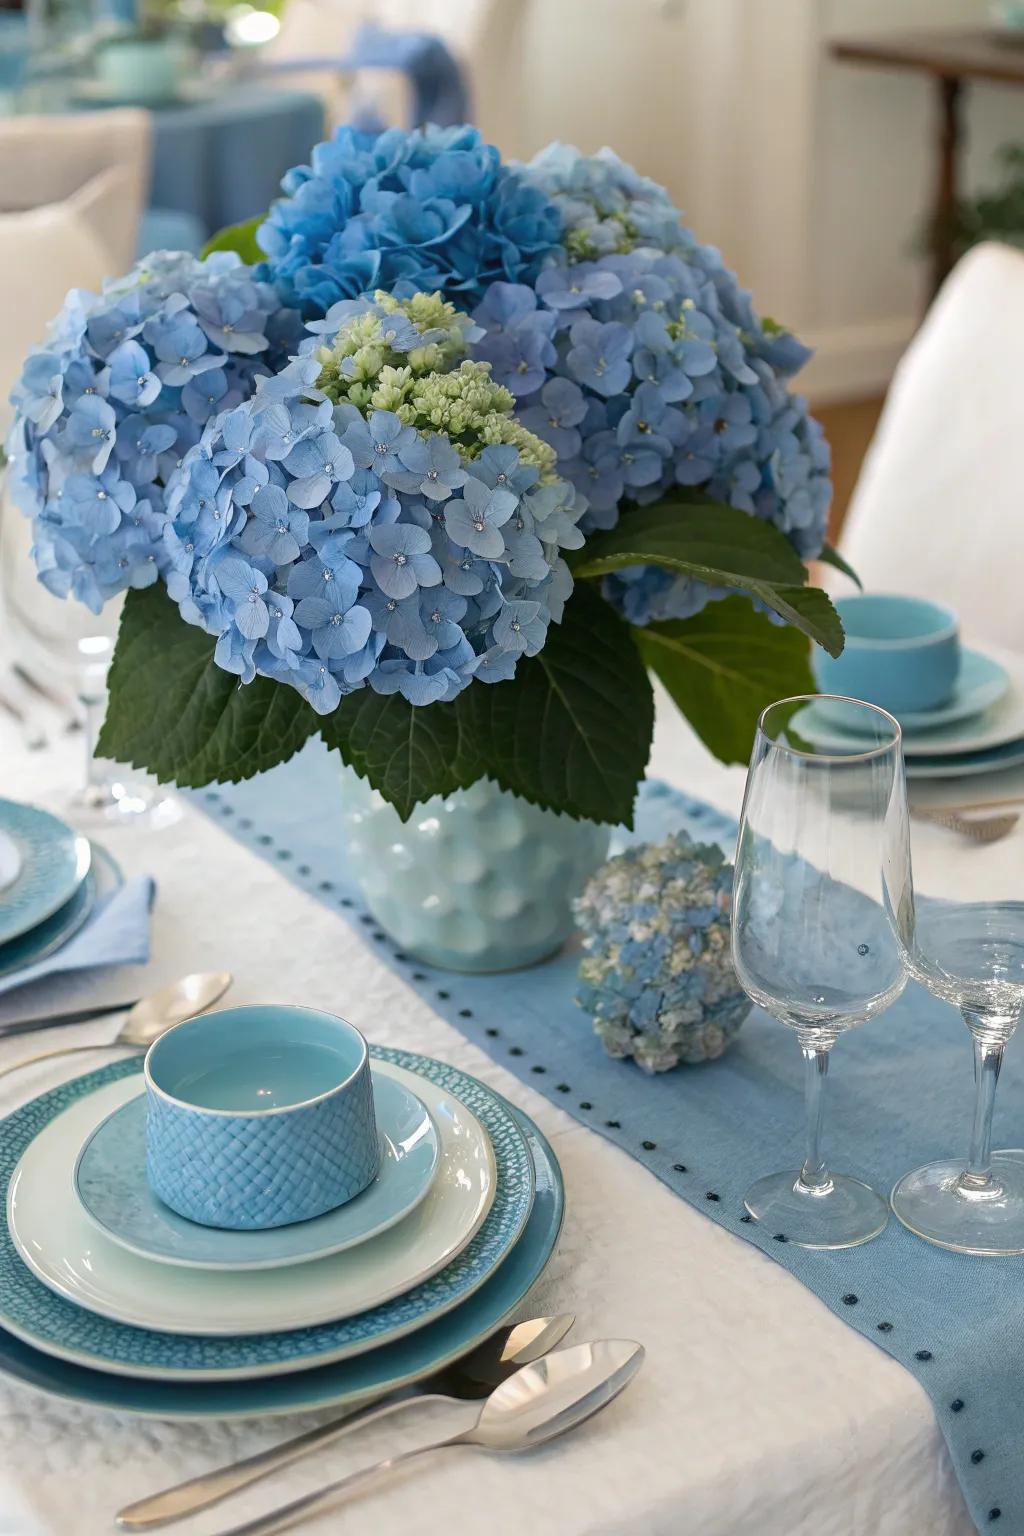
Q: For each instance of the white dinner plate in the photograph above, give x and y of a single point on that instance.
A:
(65, 1251)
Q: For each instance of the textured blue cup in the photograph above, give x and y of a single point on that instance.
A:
(257, 1117)
(902, 653)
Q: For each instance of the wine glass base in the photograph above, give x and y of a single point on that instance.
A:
(933, 1203)
(123, 801)
(849, 1213)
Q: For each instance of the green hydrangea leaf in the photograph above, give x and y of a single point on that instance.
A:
(830, 556)
(723, 667)
(237, 237)
(718, 544)
(406, 753)
(173, 711)
(572, 730)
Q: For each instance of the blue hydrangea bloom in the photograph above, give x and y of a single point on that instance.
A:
(657, 975)
(315, 544)
(431, 210)
(642, 362)
(110, 406)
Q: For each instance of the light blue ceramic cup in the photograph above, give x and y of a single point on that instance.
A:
(901, 653)
(257, 1117)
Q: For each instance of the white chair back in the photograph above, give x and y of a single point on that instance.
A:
(939, 505)
(71, 197)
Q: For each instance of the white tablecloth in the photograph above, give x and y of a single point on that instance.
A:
(757, 1413)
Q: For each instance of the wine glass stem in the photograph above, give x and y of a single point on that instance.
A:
(814, 1176)
(988, 1059)
(92, 716)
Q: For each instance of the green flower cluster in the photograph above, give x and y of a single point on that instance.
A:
(407, 356)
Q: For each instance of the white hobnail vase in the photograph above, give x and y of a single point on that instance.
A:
(479, 880)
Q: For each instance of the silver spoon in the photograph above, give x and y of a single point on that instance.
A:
(540, 1401)
(151, 1016)
(500, 1355)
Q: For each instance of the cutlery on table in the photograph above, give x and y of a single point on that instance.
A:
(541, 1400)
(473, 1376)
(980, 829)
(148, 1018)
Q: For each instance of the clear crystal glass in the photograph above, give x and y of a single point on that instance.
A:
(822, 866)
(66, 651)
(969, 952)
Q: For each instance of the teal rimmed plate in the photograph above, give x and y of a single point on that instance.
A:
(52, 862)
(343, 1385)
(103, 879)
(112, 1189)
(58, 1326)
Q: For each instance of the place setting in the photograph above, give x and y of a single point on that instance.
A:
(65, 906)
(961, 707)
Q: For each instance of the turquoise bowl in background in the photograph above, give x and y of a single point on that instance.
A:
(257, 1117)
(901, 653)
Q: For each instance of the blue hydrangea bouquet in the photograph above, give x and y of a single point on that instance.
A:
(438, 460)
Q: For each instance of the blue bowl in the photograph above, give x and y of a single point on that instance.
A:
(257, 1117)
(902, 653)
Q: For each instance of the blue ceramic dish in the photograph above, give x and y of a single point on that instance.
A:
(110, 1181)
(901, 653)
(258, 1117)
(341, 1384)
(52, 864)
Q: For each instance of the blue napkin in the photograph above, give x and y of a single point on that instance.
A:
(117, 933)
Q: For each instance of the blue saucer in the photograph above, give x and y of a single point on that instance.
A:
(53, 862)
(981, 683)
(110, 1181)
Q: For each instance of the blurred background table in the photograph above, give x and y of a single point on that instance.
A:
(221, 159)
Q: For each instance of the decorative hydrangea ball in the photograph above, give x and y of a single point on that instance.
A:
(109, 406)
(431, 209)
(641, 361)
(657, 973)
(374, 515)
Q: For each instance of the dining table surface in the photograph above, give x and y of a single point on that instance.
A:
(758, 1412)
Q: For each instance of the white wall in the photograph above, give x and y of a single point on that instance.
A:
(811, 175)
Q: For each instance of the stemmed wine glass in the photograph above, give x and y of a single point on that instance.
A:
(61, 642)
(822, 865)
(964, 940)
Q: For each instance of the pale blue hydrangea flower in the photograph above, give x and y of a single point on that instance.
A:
(657, 975)
(108, 408)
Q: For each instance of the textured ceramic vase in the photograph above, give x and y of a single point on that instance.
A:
(476, 881)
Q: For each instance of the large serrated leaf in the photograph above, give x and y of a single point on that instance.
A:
(407, 753)
(829, 555)
(173, 711)
(722, 546)
(572, 730)
(723, 667)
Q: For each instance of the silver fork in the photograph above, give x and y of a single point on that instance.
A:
(984, 829)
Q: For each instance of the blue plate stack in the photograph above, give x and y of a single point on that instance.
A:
(961, 708)
(50, 881)
(109, 1297)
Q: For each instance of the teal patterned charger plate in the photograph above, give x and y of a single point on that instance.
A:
(343, 1385)
(50, 1323)
(51, 863)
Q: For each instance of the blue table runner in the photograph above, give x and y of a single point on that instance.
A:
(899, 1095)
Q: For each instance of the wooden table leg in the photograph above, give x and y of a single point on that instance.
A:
(944, 206)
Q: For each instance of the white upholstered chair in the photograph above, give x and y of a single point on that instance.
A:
(71, 196)
(939, 505)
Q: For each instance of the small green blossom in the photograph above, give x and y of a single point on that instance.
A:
(374, 363)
